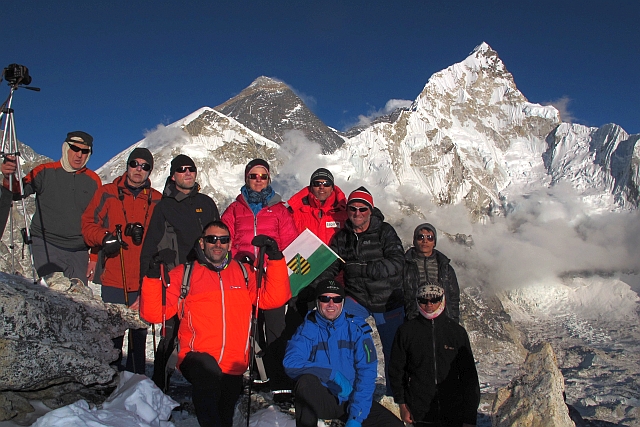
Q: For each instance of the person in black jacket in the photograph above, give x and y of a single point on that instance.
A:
(373, 267)
(177, 223)
(433, 374)
(424, 263)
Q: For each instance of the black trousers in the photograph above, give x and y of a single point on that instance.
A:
(214, 393)
(314, 401)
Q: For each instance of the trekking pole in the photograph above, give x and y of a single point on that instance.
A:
(126, 294)
(254, 326)
(153, 331)
(165, 284)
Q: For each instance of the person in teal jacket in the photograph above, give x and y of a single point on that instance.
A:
(333, 360)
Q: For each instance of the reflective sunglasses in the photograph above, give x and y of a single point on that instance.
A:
(324, 184)
(326, 298)
(358, 209)
(263, 176)
(429, 300)
(430, 238)
(145, 166)
(213, 239)
(183, 169)
(77, 149)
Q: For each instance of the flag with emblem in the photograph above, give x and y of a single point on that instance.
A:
(307, 256)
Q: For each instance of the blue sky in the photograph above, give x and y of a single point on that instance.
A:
(117, 69)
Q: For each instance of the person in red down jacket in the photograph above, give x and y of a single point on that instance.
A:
(321, 207)
(258, 209)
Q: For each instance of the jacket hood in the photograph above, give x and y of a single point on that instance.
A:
(305, 197)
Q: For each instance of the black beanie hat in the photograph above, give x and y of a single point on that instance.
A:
(181, 160)
(321, 173)
(329, 287)
(141, 153)
(253, 163)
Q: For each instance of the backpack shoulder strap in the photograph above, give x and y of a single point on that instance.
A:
(186, 284)
(244, 273)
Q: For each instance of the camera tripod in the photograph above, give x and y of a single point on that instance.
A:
(10, 147)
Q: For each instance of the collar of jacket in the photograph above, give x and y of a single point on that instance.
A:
(171, 191)
(323, 323)
(121, 182)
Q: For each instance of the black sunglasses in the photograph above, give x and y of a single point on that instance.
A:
(326, 298)
(429, 237)
(262, 176)
(183, 169)
(77, 149)
(145, 166)
(324, 184)
(358, 209)
(429, 300)
(213, 239)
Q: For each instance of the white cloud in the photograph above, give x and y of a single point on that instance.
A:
(389, 107)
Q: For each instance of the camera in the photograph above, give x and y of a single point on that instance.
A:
(135, 231)
(16, 74)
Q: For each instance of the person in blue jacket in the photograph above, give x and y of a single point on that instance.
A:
(333, 360)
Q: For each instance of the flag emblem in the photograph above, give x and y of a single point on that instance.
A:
(299, 265)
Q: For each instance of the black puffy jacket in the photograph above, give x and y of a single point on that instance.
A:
(374, 262)
(446, 277)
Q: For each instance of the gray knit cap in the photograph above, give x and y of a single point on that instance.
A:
(425, 226)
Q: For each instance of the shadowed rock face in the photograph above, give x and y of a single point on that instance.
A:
(270, 108)
(534, 398)
(56, 341)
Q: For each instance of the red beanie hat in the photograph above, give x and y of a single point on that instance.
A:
(362, 195)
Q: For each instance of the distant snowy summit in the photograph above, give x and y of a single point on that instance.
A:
(470, 137)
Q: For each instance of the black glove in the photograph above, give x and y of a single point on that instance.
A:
(355, 269)
(270, 245)
(165, 256)
(111, 245)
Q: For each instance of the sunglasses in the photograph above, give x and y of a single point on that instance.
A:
(429, 237)
(324, 184)
(213, 239)
(326, 298)
(429, 300)
(145, 166)
(263, 176)
(77, 149)
(183, 169)
(358, 209)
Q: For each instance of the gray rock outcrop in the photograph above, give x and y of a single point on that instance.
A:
(535, 398)
(56, 346)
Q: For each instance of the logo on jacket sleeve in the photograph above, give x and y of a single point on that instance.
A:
(333, 224)
(199, 210)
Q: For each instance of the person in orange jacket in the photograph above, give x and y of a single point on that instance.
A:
(217, 309)
(129, 202)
